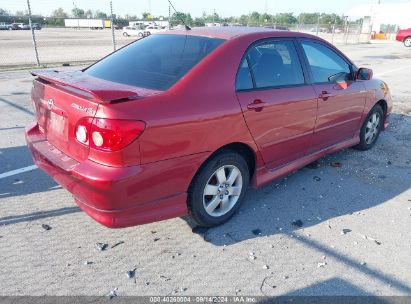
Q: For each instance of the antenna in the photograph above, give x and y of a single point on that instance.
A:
(181, 19)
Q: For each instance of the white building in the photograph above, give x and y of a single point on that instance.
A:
(376, 15)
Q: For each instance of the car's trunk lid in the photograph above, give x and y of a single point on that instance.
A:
(61, 99)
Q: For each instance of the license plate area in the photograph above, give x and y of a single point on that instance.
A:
(57, 125)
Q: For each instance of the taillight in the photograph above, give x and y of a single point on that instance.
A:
(108, 134)
(83, 130)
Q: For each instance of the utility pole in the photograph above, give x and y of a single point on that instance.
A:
(113, 37)
(76, 15)
(169, 17)
(333, 29)
(213, 17)
(33, 35)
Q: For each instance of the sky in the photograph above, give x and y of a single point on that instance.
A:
(224, 8)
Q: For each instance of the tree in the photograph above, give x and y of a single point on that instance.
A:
(285, 18)
(59, 13)
(199, 21)
(130, 17)
(330, 19)
(146, 15)
(88, 13)
(308, 18)
(266, 18)
(77, 12)
(100, 15)
(254, 17)
(243, 20)
(3, 12)
(178, 16)
(20, 14)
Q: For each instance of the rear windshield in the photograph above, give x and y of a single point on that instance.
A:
(156, 62)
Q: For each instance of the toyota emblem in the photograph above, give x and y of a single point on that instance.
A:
(50, 103)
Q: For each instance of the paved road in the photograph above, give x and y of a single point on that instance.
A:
(369, 198)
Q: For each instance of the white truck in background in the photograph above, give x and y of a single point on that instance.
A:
(94, 24)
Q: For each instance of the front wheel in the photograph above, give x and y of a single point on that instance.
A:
(218, 189)
(407, 42)
(371, 128)
(125, 34)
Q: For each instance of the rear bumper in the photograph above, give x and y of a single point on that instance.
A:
(119, 197)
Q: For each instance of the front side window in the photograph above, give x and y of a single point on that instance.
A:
(156, 62)
(326, 65)
(275, 64)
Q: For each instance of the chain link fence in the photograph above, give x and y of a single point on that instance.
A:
(23, 43)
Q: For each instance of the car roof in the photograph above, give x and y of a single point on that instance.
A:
(230, 32)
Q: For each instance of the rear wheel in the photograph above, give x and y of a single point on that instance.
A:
(407, 41)
(140, 35)
(371, 128)
(218, 189)
(125, 34)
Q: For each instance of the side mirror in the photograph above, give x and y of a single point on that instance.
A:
(364, 74)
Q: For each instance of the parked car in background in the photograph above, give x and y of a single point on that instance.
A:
(36, 26)
(13, 27)
(23, 26)
(405, 37)
(134, 31)
(139, 136)
(4, 26)
(319, 30)
(153, 29)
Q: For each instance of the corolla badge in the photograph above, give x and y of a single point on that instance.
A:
(89, 111)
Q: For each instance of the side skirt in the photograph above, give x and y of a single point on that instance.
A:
(264, 176)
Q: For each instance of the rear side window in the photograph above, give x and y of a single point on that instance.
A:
(326, 65)
(244, 80)
(156, 62)
(274, 64)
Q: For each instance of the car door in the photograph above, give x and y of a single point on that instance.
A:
(279, 106)
(341, 99)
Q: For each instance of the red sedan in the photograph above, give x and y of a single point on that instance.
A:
(405, 37)
(182, 122)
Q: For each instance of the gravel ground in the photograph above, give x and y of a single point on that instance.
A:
(321, 231)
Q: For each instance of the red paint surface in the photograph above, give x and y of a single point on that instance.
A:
(148, 180)
(402, 34)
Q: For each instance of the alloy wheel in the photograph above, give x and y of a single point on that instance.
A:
(222, 190)
(372, 128)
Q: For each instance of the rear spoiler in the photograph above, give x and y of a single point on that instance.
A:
(102, 90)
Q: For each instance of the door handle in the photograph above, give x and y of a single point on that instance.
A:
(325, 95)
(257, 105)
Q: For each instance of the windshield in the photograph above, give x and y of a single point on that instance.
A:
(156, 62)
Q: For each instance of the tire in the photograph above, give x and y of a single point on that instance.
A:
(224, 195)
(125, 34)
(140, 35)
(148, 34)
(407, 41)
(371, 129)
